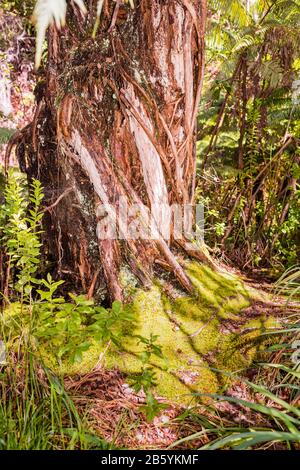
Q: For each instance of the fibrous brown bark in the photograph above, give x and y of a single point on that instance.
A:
(115, 119)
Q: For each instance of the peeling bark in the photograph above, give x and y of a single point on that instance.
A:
(116, 119)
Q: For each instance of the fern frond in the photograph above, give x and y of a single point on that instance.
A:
(272, 72)
(235, 10)
(243, 43)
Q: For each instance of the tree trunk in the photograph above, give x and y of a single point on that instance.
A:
(115, 121)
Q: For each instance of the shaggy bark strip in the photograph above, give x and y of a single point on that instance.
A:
(152, 169)
(116, 121)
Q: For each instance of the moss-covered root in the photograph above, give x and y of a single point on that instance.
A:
(195, 333)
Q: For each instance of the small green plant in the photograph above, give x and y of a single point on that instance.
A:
(146, 380)
(107, 323)
(61, 323)
(70, 328)
(20, 230)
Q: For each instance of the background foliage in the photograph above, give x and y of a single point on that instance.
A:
(249, 131)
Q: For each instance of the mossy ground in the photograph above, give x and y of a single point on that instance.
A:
(192, 333)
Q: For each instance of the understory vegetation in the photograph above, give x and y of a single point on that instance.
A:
(248, 138)
(38, 323)
(215, 369)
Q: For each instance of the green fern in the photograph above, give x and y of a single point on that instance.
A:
(5, 135)
(20, 230)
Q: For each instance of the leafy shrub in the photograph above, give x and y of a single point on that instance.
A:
(68, 327)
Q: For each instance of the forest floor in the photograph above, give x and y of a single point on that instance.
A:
(109, 408)
(113, 409)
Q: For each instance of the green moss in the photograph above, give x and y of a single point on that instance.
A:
(189, 329)
(238, 350)
(192, 332)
